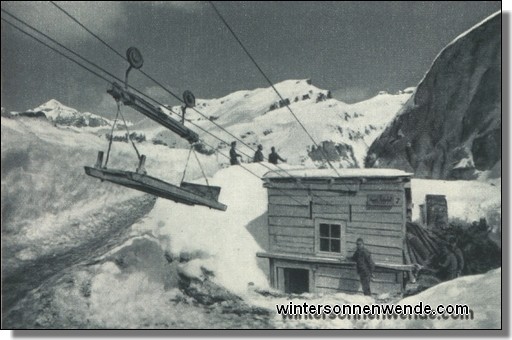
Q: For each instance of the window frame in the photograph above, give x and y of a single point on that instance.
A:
(343, 248)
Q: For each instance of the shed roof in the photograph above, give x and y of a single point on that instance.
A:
(339, 173)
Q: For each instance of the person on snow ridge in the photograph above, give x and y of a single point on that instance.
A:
(233, 155)
(274, 157)
(258, 155)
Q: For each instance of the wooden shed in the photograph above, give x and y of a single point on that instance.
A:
(315, 217)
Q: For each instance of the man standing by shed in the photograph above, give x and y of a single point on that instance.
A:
(364, 265)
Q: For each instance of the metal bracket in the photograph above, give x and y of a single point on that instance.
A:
(152, 112)
(136, 61)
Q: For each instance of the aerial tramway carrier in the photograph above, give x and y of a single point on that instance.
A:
(186, 193)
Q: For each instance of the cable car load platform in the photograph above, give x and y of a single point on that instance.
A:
(186, 193)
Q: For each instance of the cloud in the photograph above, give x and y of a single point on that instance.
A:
(103, 18)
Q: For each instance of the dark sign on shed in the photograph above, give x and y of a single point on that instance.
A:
(382, 201)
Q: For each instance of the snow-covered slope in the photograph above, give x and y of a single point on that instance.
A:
(135, 283)
(49, 203)
(344, 131)
(451, 127)
(481, 293)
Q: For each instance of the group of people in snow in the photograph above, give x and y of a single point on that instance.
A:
(273, 157)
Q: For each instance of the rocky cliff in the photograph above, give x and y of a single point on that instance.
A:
(451, 127)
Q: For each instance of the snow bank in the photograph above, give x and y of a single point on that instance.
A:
(481, 293)
(132, 289)
(226, 246)
(135, 286)
(327, 322)
(221, 240)
(50, 204)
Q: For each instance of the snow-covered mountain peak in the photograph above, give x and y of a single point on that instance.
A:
(54, 109)
(343, 131)
(53, 104)
(60, 114)
(260, 116)
(245, 105)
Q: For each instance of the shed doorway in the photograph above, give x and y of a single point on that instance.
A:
(296, 281)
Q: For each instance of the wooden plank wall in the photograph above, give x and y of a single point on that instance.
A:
(326, 278)
(331, 279)
(292, 218)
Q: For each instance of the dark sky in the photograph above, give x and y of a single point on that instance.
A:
(353, 48)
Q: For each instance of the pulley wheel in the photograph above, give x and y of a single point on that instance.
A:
(134, 57)
(189, 99)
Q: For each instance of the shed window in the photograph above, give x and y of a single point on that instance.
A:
(330, 238)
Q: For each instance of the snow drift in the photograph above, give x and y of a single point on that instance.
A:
(115, 258)
(136, 281)
(481, 293)
(48, 201)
